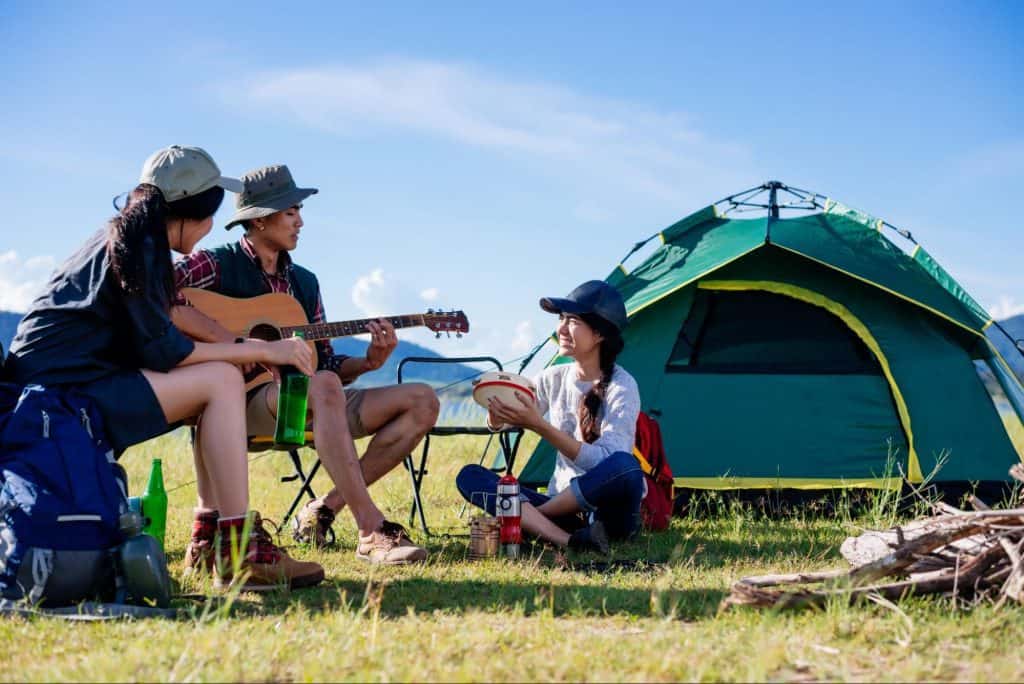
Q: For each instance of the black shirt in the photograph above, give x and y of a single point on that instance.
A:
(84, 327)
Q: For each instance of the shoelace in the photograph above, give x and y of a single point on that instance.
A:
(264, 541)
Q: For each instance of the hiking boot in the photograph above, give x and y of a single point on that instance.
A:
(593, 538)
(200, 553)
(390, 545)
(269, 566)
(312, 525)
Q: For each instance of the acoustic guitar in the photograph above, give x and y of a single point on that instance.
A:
(277, 316)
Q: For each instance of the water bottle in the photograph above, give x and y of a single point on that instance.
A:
(509, 518)
(154, 503)
(292, 395)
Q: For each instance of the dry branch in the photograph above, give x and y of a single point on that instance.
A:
(969, 554)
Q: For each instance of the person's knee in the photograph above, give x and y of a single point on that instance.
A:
(425, 405)
(470, 479)
(223, 378)
(326, 391)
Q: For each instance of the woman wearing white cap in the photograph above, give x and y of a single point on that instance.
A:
(102, 327)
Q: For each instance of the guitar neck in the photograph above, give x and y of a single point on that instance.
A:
(328, 331)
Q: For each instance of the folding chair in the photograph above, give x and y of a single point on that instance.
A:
(508, 439)
(266, 443)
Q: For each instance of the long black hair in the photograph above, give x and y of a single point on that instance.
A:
(611, 346)
(145, 216)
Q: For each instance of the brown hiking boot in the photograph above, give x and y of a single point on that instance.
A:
(390, 545)
(200, 553)
(312, 525)
(269, 566)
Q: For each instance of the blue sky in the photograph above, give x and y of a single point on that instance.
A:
(478, 156)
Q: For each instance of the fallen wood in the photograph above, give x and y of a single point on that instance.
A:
(976, 555)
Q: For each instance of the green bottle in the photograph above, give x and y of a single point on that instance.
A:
(290, 430)
(154, 503)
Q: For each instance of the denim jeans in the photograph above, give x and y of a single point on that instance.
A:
(611, 491)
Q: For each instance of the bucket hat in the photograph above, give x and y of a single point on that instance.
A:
(181, 171)
(592, 297)
(268, 190)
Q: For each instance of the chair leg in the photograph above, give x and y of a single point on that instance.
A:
(306, 487)
(417, 482)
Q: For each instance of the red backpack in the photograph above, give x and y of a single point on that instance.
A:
(656, 507)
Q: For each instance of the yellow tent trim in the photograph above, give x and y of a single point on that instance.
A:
(886, 289)
(914, 468)
(725, 482)
(680, 286)
(624, 270)
(988, 324)
(1005, 364)
(879, 224)
(917, 248)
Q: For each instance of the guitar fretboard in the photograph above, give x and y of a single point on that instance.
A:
(327, 331)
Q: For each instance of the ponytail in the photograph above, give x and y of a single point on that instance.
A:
(145, 216)
(590, 406)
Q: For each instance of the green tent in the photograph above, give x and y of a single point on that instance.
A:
(811, 353)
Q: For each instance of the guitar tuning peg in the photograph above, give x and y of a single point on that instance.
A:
(449, 334)
(437, 336)
(458, 336)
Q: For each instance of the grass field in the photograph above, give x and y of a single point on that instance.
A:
(534, 619)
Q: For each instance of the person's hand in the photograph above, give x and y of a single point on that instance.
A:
(522, 412)
(291, 352)
(382, 342)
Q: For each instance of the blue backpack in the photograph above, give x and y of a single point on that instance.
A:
(62, 497)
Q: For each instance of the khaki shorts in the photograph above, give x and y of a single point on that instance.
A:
(259, 421)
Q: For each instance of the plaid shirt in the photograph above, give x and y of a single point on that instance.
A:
(201, 270)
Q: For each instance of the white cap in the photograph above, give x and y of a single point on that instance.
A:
(181, 171)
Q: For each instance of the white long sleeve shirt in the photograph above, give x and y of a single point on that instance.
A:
(559, 393)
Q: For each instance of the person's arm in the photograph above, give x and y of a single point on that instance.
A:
(290, 352)
(530, 415)
(197, 325)
(382, 342)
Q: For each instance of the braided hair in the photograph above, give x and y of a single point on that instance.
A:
(611, 346)
(143, 217)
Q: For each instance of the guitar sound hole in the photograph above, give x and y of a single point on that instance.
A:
(265, 332)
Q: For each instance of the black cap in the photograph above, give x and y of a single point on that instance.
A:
(592, 297)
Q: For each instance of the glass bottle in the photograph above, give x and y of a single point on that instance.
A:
(154, 503)
(292, 396)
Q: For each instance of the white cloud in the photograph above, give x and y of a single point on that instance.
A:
(380, 293)
(1006, 307)
(21, 280)
(524, 338)
(656, 153)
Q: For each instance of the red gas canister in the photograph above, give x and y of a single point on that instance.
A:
(509, 516)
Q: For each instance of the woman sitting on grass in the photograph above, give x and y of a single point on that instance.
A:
(102, 327)
(592, 405)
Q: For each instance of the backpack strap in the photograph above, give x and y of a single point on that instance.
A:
(42, 568)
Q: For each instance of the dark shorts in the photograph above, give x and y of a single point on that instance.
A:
(130, 409)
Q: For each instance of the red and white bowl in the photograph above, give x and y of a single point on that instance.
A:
(504, 386)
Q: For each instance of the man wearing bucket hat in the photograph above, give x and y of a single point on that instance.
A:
(103, 328)
(397, 416)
